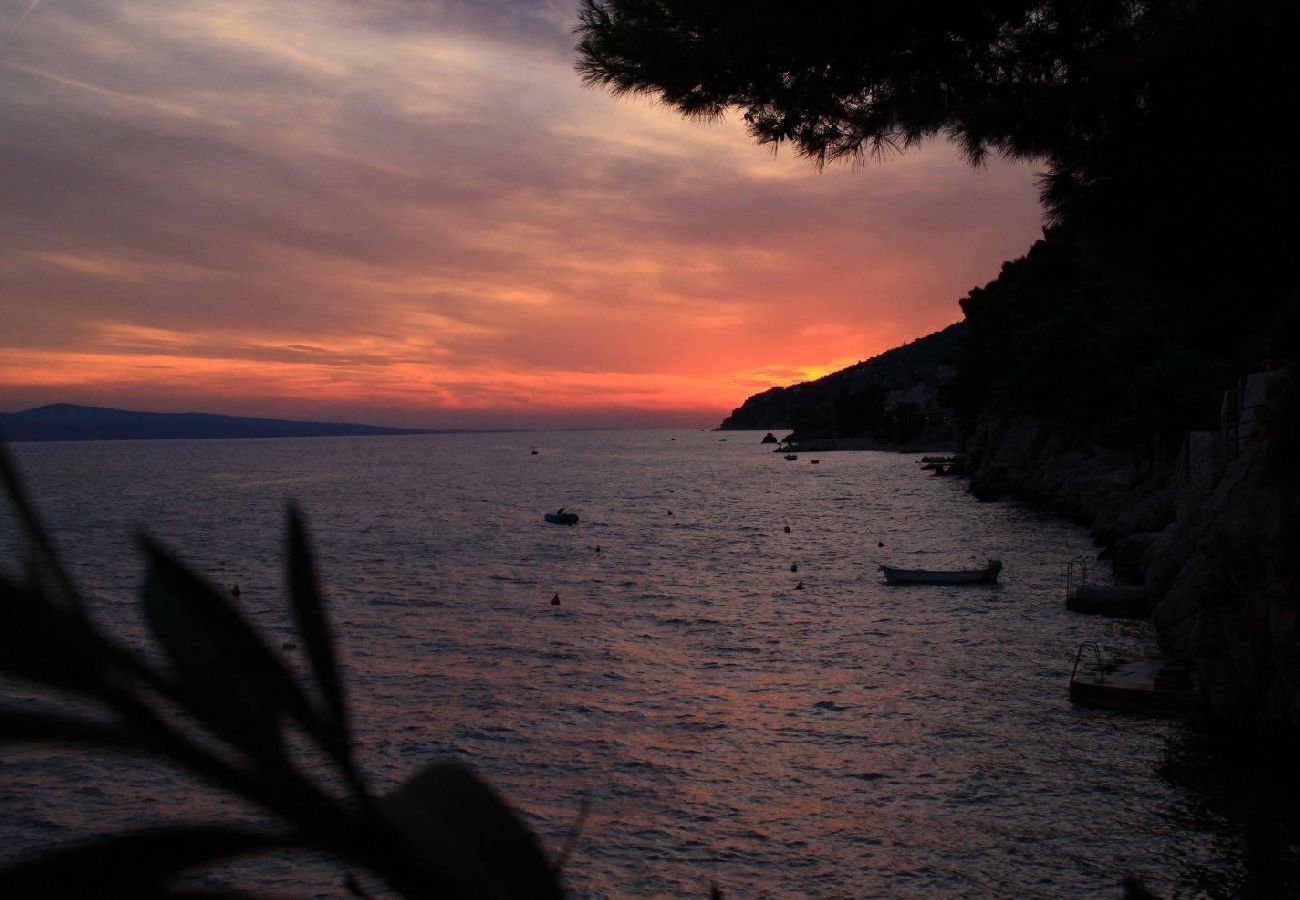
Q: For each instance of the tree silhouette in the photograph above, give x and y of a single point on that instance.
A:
(1101, 90)
(1157, 122)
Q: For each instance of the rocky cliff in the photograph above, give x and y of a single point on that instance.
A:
(1213, 534)
(1112, 492)
(1229, 594)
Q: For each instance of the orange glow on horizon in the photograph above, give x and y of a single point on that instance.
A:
(289, 210)
(427, 392)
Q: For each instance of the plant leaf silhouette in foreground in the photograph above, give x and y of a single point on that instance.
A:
(224, 708)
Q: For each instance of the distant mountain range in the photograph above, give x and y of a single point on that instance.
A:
(68, 422)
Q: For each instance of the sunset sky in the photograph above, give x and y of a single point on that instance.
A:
(412, 213)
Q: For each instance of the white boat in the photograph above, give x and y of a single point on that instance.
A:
(986, 575)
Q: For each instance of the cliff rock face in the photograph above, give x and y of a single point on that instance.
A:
(834, 404)
(1221, 556)
(1227, 576)
(1109, 491)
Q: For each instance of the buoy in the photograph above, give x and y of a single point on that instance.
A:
(234, 591)
(555, 601)
(598, 548)
(670, 512)
(799, 586)
(787, 529)
(880, 543)
(794, 567)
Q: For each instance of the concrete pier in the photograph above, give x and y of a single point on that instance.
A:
(1149, 685)
(1120, 601)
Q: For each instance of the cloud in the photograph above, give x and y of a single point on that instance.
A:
(417, 204)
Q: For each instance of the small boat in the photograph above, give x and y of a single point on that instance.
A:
(791, 456)
(560, 517)
(986, 575)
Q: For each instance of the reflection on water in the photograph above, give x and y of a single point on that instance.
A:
(843, 739)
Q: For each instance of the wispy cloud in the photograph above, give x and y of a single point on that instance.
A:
(415, 204)
(26, 12)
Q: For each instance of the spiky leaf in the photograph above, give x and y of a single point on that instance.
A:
(44, 643)
(467, 835)
(229, 675)
(318, 642)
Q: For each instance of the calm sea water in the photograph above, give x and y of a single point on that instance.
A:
(844, 739)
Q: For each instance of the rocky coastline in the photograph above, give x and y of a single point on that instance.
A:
(1209, 530)
(1213, 536)
(941, 443)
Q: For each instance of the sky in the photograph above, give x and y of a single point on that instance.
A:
(412, 213)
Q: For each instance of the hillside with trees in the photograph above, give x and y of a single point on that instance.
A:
(893, 398)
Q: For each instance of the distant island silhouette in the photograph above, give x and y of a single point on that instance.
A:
(70, 422)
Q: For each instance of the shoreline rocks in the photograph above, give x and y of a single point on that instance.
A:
(1111, 493)
(1219, 556)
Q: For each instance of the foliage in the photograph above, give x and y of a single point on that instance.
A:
(1101, 89)
(902, 423)
(851, 402)
(858, 412)
(1062, 334)
(225, 709)
(1167, 269)
(838, 79)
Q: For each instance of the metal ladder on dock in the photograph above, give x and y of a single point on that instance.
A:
(1098, 657)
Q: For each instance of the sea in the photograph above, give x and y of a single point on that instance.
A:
(728, 720)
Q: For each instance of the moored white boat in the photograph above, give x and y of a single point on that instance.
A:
(986, 575)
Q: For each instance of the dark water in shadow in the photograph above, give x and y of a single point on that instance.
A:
(844, 739)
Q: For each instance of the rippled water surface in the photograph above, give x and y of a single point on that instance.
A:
(844, 739)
